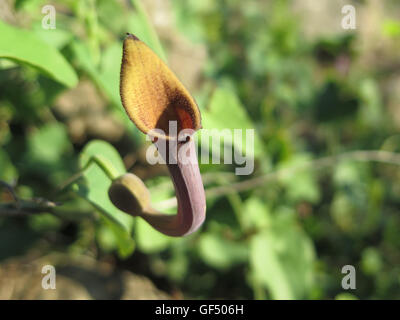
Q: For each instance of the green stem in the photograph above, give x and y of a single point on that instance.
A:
(102, 163)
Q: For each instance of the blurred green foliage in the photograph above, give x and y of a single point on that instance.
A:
(306, 98)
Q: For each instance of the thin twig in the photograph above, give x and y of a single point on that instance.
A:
(359, 155)
(69, 181)
(10, 189)
(27, 207)
(101, 162)
(364, 156)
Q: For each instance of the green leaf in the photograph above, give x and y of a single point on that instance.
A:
(24, 46)
(124, 241)
(8, 173)
(347, 173)
(268, 268)
(161, 189)
(282, 258)
(48, 153)
(148, 239)
(371, 112)
(86, 62)
(371, 261)
(221, 253)
(346, 296)
(110, 71)
(107, 78)
(106, 238)
(391, 28)
(57, 38)
(257, 214)
(44, 222)
(300, 185)
(344, 212)
(110, 237)
(48, 144)
(225, 111)
(95, 188)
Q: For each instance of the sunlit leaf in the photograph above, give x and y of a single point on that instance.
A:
(95, 186)
(282, 258)
(268, 268)
(221, 253)
(225, 111)
(86, 62)
(8, 172)
(257, 214)
(346, 296)
(24, 46)
(300, 185)
(148, 239)
(48, 144)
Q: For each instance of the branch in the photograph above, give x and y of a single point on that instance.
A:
(363, 156)
(27, 207)
(359, 155)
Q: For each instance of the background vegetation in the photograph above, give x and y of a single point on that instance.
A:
(286, 68)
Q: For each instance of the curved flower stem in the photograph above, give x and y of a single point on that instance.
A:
(189, 193)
